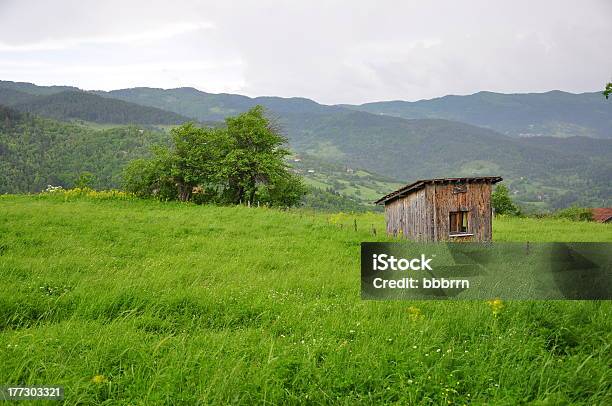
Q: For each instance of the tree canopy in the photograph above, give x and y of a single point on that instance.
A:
(502, 203)
(242, 162)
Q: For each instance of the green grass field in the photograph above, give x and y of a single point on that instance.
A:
(146, 303)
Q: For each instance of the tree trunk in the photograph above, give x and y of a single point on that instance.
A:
(252, 195)
(240, 193)
(184, 192)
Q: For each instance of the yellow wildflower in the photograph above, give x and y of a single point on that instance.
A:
(99, 379)
(496, 306)
(414, 313)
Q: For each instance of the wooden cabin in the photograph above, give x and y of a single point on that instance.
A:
(448, 209)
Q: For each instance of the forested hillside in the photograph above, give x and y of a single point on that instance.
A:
(35, 152)
(78, 105)
(9, 96)
(30, 88)
(555, 113)
(549, 171)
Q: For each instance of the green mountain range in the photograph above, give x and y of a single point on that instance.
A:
(213, 107)
(542, 172)
(30, 88)
(556, 113)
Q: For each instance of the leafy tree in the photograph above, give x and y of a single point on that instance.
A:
(242, 162)
(151, 177)
(255, 155)
(285, 191)
(138, 177)
(608, 91)
(502, 203)
(197, 159)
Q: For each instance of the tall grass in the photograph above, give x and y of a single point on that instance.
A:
(137, 302)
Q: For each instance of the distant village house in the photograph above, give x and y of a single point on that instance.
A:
(602, 214)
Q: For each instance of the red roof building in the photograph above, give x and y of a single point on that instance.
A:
(602, 214)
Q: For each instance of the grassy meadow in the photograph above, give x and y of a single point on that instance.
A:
(137, 302)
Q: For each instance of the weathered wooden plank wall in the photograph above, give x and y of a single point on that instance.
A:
(476, 200)
(409, 217)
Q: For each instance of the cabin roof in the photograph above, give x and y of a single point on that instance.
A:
(419, 184)
(602, 214)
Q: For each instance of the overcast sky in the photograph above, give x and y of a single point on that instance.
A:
(331, 51)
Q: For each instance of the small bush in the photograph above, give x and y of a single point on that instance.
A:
(575, 214)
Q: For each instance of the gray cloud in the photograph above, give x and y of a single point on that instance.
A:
(331, 51)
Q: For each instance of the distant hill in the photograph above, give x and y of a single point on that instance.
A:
(30, 88)
(213, 107)
(556, 113)
(79, 105)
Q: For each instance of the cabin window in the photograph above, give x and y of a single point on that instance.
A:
(458, 222)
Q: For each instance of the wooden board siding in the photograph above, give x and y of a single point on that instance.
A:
(409, 217)
(476, 200)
